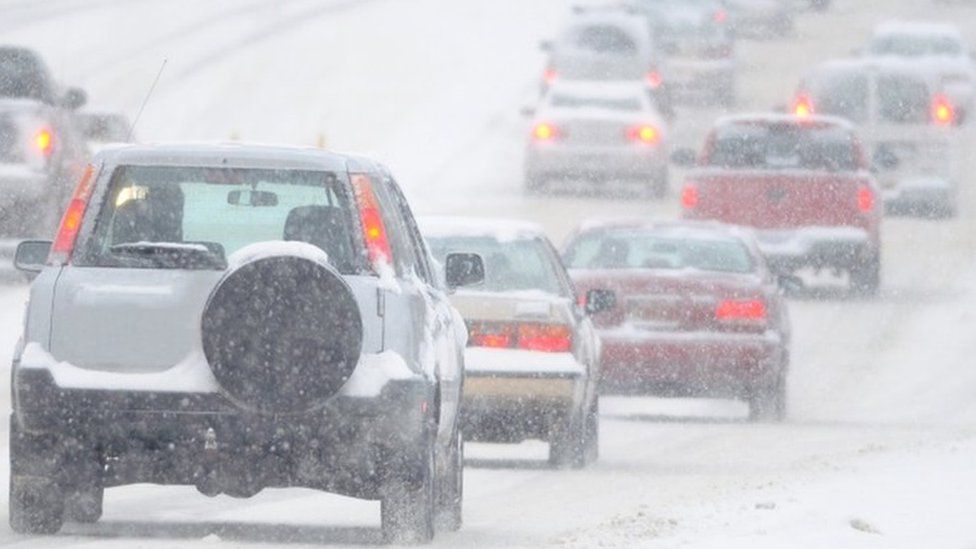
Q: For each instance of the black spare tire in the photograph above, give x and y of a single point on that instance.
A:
(282, 334)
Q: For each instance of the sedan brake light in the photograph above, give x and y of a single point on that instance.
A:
(803, 106)
(865, 199)
(549, 76)
(44, 141)
(747, 311)
(690, 197)
(64, 241)
(545, 132)
(654, 80)
(646, 134)
(943, 112)
(528, 336)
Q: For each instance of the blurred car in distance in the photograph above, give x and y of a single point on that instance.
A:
(238, 318)
(533, 358)
(909, 124)
(599, 132)
(697, 44)
(803, 184)
(103, 129)
(697, 312)
(939, 48)
(760, 18)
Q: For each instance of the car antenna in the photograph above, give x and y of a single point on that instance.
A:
(132, 128)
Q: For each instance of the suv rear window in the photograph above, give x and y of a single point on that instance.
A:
(783, 146)
(843, 94)
(605, 39)
(642, 249)
(220, 209)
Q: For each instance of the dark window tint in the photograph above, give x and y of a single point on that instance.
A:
(783, 146)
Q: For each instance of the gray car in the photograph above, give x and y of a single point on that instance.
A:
(235, 318)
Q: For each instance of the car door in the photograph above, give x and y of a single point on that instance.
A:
(447, 331)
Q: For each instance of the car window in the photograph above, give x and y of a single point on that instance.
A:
(842, 93)
(223, 209)
(424, 268)
(404, 256)
(783, 146)
(604, 39)
(510, 265)
(23, 75)
(570, 101)
(636, 249)
(903, 99)
(908, 45)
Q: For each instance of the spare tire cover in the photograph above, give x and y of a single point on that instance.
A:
(282, 334)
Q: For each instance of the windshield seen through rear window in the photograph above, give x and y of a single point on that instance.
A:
(651, 250)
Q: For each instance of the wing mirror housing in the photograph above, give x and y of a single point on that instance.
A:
(74, 99)
(684, 158)
(599, 300)
(31, 255)
(463, 269)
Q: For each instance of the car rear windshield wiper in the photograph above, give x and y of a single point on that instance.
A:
(174, 255)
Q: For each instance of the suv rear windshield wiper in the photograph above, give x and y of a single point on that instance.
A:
(172, 255)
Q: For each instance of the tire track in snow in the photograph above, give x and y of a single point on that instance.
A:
(36, 11)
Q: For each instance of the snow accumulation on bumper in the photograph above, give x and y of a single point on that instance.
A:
(499, 375)
(813, 245)
(193, 375)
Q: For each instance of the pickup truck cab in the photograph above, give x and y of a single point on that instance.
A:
(802, 183)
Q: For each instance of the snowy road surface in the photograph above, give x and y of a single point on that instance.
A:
(880, 446)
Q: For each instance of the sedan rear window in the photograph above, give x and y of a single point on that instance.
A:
(783, 146)
(159, 216)
(512, 265)
(655, 250)
(604, 39)
(565, 101)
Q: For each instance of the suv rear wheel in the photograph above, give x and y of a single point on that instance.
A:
(36, 495)
(408, 505)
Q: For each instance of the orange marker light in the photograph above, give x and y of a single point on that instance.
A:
(544, 132)
(44, 141)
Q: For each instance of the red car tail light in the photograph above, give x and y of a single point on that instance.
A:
(44, 141)
(865, 199)
(528, 336)
(690, 197)
(654, 80)
(647, 135)
(720, 16)
(374, 230)
(803, 106)
(747, 314)
(943, 112)
(64, 241)
(545, 132)
(552, 338)
(549, 76)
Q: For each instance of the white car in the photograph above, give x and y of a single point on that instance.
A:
(533, 357)
(938, 48)
(605, 132)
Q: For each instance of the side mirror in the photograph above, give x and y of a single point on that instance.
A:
(545, 45)
(684, 158)
(790, 284)
(74, 99)
(462, 270)
(31, 255)
(598, 301)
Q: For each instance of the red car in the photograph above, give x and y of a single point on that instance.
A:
(803, 183)
(697, 312)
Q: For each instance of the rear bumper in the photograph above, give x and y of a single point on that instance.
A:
(511, 395)
(920, 193)
(840, 247)
(623, 162)
(700, 364)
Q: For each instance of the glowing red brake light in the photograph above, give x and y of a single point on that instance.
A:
(64, 241)
(644, 134)
(689, 197)
(803, 106)
(720, 16)
(732, 310)
(44, 141)
(550, 76)
(545, 132)
(551, 338)
(374, 231)
(865, 199)
(654, 80)
(943, 112)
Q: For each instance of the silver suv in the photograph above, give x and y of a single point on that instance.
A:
(235, 318)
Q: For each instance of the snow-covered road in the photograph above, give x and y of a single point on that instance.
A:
(880, 446)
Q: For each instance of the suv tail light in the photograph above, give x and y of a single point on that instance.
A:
(802, 106)
(742, 314)
(654, 79)
(943, 112)
(64, 241)
(720, 16)
(549, 76)
(44, 141)
(646, 134)
(544, 131)
(528, 336)
(690, 197)
(374, 231)
(865, 199)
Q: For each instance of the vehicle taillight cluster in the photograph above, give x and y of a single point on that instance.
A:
(64, 241)
(745, 313)
(654, 79)
(545, 132)
(374, 231)
(44, 141)
(943, 112)
(803, 106)
(549, 76)
(528, 336)
(865, 199)
(646, 134)
(689, 197)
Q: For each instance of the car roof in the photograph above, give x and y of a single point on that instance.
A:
(919, 28)
(244, 155)
(785, 118)
(494, 227)
(700, 229)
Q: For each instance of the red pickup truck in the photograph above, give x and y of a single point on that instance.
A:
(802, 183)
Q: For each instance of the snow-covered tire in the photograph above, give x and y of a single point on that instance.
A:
(282, 334)
(408, 507)
(451, 492)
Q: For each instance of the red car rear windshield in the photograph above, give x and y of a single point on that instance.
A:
(782, 147)
(629, 249)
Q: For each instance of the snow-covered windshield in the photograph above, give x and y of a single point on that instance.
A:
(783, 146)
(510, 265)
(915, 45)
(644, 249)
(223, 209)
(568, 101)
